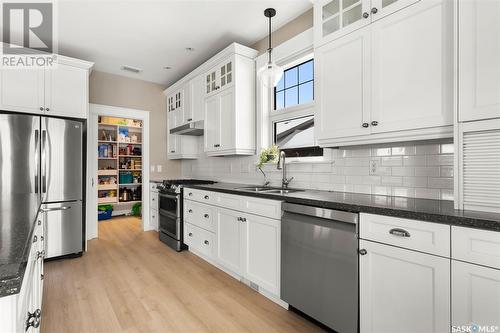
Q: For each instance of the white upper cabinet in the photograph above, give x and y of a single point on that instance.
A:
(412, 71)
(336, 18)
(222, 93)
(22, 90)
(478, 60)
(343, 66)
(219, 77)
(182, 147)
(382, 8)
(59, 91)
(230, 108)
(194, 100)
(390, 81)
(66, 91)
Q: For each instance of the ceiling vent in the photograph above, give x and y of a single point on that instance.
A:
(131, 69)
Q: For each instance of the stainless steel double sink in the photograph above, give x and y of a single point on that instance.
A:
(267, 189)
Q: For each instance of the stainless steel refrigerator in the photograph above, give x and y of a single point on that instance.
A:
(44, 156)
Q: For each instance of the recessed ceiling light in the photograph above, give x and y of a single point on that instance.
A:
(190, 49)
(167, 67)
(131, 69)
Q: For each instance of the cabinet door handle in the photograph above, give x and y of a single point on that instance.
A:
(41, 108)
(374, 123)
(243, 219)
(238, 218)
(47, 109)
(190, 211)
(362, 252)
(190, 234)
(35, 238)
(365, 125)
(172, 151)
(206, 197)
(366, 15)
(399, 232)
(190, 119)
(206, 216)
(206, 242)
(190, 194)
(374, 10)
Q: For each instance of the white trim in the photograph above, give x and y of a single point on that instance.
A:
(106, 110)
(230, 50)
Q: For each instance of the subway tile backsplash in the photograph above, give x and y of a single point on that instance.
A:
(423, 170)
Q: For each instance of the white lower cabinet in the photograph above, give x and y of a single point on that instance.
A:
(475, 295)
(153, 206)
(403, 290)
(22, 312)
(241, 235)
(262, 250)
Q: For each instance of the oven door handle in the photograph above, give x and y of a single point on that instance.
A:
(163, 195)
(168, 214)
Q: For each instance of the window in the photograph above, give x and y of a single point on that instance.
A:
(292, 119)
(296, 137)
(296, 86)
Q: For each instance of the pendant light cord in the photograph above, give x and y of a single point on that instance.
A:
(269, 50)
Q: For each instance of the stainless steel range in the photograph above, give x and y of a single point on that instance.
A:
(171, 210)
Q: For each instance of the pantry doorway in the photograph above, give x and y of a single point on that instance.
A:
(118, 166)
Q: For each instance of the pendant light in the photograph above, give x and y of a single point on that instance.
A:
(270, 74)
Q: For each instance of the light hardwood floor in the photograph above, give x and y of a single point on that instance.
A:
(129, 281)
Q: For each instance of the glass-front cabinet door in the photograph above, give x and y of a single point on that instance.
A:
(335, 18)
(226, 73)
(382, 8)
(211, 81)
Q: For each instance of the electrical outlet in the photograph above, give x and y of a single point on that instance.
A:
(373, 167)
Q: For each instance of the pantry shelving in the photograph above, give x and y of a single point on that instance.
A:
(119, 161)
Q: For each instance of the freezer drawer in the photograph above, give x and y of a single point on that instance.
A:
(63, 232)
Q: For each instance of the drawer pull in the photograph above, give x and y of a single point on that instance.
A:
(206, 197)
(205, 216)
(190, 234)
(190, 211)
(190, 194)
(399, 232)
(363, 252)
(206, 242)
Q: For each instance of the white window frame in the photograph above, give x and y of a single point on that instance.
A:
(288, 54)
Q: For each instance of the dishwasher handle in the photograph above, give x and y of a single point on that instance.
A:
(329, 214)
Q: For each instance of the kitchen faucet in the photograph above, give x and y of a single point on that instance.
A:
(282, 166)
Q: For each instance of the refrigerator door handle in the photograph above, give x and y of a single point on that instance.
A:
(37, 162)
(55, 209)
(44, 161)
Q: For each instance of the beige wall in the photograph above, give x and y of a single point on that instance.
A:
(289, 30)
(115, 90)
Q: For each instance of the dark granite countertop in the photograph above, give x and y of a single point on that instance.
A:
(439, 211)
(18, 214)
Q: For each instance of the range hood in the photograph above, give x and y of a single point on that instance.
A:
(194, 129)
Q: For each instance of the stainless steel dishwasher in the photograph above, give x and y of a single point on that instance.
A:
(319, 264)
